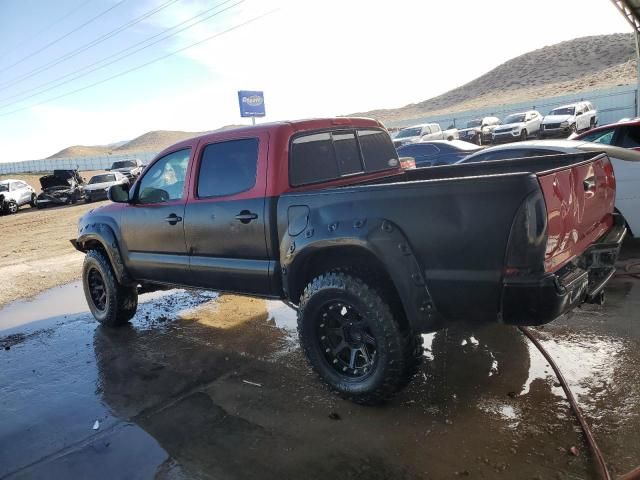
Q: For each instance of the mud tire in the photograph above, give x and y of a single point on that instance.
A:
(398, 353)
(121, 302)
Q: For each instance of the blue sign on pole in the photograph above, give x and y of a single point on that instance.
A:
(251, 103)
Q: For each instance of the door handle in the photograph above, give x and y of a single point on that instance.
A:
(245, 216)
(173, 219)
(589, 183)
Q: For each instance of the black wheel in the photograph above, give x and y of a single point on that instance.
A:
(573, 128)
(353, 341)
(34, 200)
(523, 135)
(592, 123)
(110, 303)
(11, 207)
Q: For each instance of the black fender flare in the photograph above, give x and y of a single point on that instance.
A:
(104, 235)
(376, 236)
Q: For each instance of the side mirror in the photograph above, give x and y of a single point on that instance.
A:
(578, 114)
(118, 193)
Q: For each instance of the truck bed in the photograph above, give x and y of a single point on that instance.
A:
(457, 220)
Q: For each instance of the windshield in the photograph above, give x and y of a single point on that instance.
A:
(409, 132)
(102, 179)
(4, 187)
(474, 123)
(515, 118)
(123, 164)
(563, 111)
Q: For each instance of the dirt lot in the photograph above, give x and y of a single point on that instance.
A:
(36, 253)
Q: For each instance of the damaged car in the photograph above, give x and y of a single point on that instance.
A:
(63, 187)
(99, 185)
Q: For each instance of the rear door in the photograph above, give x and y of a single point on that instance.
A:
(226, 215)
(153, 224)
(579, 202)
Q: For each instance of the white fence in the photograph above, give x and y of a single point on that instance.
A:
(80, 163)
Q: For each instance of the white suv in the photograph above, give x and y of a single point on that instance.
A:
(14, 194)
(518, 126)
(568, 119)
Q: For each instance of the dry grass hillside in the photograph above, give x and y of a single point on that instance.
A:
(148, 142)
(581, 64)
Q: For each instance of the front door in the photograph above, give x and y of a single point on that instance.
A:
(226, 218)
(153, 224)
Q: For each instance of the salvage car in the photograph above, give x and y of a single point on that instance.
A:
(62, 187)
(437, 152)
(568, 119)
(622, 134)
(99, 185)
(518, 126)
(129, 168)
(14, 194)
(426, 131)
(320, 214)
(626, 166)
(479, 130)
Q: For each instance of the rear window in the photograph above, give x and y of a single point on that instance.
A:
(324, 156)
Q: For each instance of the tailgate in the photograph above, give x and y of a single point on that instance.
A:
(580, 202)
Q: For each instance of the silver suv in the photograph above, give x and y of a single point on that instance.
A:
(14, 194)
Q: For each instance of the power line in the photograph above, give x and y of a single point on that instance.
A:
(87, 69)
(50, 26)
(65, 35)
(180, 50)
(87, 46)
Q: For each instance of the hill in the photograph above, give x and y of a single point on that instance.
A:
(153, 141)
(585, 63)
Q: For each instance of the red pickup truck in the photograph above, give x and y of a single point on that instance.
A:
(320, 214)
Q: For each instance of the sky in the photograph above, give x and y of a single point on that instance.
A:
(311, 59)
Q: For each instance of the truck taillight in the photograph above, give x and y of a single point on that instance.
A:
(528, 237)
(407, 163)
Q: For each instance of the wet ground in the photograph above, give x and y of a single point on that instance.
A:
(207, 386)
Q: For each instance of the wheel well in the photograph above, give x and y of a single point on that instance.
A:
(94, 245)
(355, 260)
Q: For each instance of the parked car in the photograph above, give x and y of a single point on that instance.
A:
(437, 152)
(626, 166)
(99, 185)
(14, 194)
(62, 187)
(479, 130)
(130, 168)
(625, 135)
(426, 131)
(568, 119)
(518, 126)
(320, 214)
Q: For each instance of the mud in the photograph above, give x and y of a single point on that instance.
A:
(208, 386)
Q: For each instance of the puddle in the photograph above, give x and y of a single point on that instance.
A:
(58, 302)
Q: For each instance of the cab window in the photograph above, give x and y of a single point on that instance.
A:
(164, 181)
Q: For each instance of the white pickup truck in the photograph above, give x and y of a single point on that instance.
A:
(425, 131)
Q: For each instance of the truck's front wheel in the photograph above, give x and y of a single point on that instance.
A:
(352, 340)
(111, 303)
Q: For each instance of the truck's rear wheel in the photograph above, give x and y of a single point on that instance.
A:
(352, 340)
(111, 303)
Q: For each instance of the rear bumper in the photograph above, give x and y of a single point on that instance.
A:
(535, 300)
